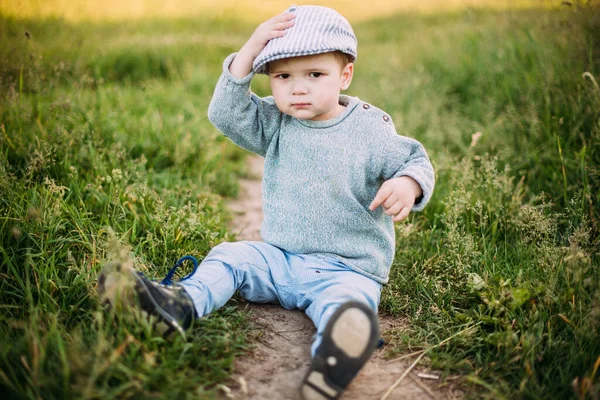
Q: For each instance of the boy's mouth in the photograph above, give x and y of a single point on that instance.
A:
(300, 105)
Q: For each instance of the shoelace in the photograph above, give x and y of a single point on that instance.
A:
(169, 278)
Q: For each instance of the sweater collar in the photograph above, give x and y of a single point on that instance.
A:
(348, 101)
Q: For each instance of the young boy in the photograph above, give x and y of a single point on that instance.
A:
(337, 176)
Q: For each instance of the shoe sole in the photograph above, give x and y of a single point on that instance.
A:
(348, 341)
(118, 282)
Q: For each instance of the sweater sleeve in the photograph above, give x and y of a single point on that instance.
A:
(248, 120)
(403, 156)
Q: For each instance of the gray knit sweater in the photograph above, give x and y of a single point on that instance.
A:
(321, 176)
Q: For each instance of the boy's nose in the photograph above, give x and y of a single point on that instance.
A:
(299, 88)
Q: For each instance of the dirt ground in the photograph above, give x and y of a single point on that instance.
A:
(282, 354)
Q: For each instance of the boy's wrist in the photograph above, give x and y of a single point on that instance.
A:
(251, 49)
(241, 65)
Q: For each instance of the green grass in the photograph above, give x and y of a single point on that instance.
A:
(106, 152)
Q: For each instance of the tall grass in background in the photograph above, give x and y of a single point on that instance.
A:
(106, 152)
(509, 107)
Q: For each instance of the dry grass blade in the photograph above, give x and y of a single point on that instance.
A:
(424, 387)
(416, 353)
(397, 383)
(412, 366)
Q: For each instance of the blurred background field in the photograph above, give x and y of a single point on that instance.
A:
(354, 10)
(106, 153)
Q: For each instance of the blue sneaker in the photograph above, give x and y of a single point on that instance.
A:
(349, 339)
(120, 284)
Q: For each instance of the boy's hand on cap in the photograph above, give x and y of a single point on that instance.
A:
(270, 29)
(397, 196)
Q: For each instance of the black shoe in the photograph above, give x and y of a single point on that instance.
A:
(120, 284)
(348, 341)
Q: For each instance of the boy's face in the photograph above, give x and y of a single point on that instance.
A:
(308, 87)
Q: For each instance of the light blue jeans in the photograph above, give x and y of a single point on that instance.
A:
(266, 274)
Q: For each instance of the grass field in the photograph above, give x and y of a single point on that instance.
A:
(106, 153)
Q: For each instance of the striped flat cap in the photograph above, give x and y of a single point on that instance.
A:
(316, 30)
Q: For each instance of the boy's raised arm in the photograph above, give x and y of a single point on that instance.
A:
(270, 29)
(246, 119)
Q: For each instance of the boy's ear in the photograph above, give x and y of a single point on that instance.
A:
(346, 78)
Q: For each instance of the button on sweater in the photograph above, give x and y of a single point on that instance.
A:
(321, 176)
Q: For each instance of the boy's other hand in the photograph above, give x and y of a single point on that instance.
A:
(397, 196)
(270, 29)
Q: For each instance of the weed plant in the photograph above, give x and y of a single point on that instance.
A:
(106, 153)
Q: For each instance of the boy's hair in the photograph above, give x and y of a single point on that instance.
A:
(342, 58)
(316, 30)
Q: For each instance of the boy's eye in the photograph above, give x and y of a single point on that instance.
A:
(315, 74)
(283, 76)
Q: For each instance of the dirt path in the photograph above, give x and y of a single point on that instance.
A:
(282, 354)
